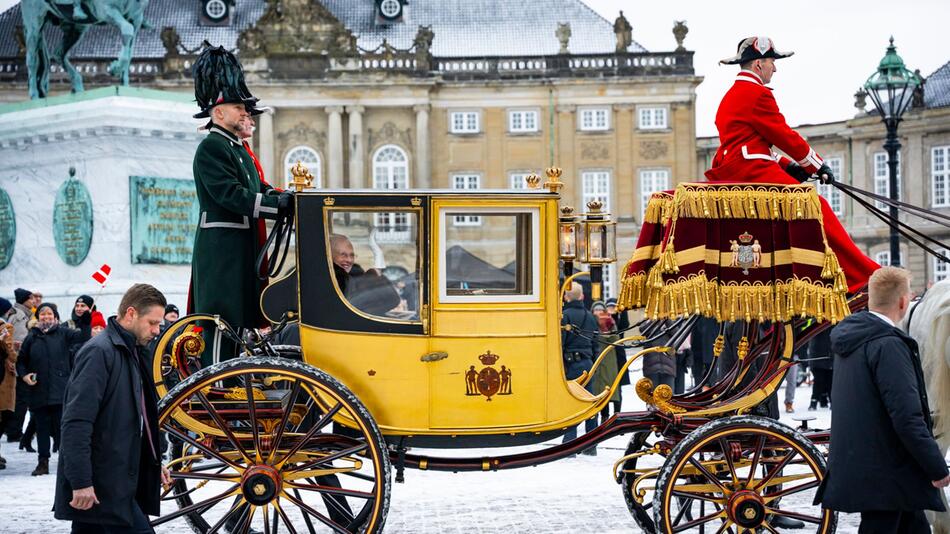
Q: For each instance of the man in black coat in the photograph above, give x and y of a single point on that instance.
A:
(884, 461)
(110, 467)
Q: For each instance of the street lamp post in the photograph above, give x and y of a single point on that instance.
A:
(892, 88)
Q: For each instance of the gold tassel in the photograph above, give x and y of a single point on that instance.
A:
(667, 260)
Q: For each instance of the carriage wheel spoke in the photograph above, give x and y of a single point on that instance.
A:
(222, 425)
(320, 488)
(283, 518)
(238, 505)
(795, 515)
(235, 489)
(182, 475)
(789, 491)
(207, 450)
(306, 509)
(275, 444)
(769, 528)
(698, 496)
(771, 472)
(344, 508)
(700, 521)
(725, 527)
(727, 454)
(324, 420)
(330, 457)
(711, 477)
(683, 510)
(252, 417)
(756, 455)
(265, 514)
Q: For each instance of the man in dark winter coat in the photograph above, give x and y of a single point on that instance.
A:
(44, 363)
(110, 467)
(884, 461)
(578, 344)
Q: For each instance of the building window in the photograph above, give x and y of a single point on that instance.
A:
(941, 268)
(831, 193)
(522, 121)
(463, 122)
(882, 179)
(594, 119)
(940, 171)
(466, 182)
(652, 181)
(516, 180)
(306, 156)
(595, 186)
(391, 171)
(652, 118)
(883, 258)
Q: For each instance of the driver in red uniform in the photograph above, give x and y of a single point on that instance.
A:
(750, 124)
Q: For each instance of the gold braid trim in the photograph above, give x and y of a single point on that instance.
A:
(768, 202)
(779, 301)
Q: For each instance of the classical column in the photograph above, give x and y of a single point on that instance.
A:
(355, 113)
(265, 136)
(335, 148)
(423, 180)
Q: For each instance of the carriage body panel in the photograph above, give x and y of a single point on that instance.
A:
(475, 349)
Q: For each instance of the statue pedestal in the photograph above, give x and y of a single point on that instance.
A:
(113, 137)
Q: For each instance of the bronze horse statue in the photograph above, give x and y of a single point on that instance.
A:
(74, 17)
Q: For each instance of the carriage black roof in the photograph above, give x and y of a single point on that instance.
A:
(463, 28)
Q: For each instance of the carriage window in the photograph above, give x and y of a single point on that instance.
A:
(496, 261)
(377, 275)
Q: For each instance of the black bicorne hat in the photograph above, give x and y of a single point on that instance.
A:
(219, 79)
(752, 48)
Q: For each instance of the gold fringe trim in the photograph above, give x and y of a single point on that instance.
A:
(659, 208)
(779, 301)
(710, 201)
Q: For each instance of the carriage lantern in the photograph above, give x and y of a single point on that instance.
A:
(600, 244)
(567, 238)
(892, 88)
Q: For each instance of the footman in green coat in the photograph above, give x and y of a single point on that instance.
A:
(233, 199)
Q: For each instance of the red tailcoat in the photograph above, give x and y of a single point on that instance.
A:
(750, 124)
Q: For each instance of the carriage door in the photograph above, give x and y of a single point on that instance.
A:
(488, 317)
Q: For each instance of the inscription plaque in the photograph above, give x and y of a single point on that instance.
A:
(72, 221)
(164, 214)
(7, 229)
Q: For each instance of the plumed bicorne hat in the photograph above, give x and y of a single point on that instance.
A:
(219, 79)
(752, 48)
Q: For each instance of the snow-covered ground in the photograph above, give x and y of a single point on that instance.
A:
(576, 495)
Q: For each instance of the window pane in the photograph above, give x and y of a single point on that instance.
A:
(652, 181)
(376, 275)
(941, 268)
(491, 259)
(596, 186)
(940, 176)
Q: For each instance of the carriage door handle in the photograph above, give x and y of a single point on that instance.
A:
(434, 356)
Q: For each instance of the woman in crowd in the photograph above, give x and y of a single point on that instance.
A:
(44, 364)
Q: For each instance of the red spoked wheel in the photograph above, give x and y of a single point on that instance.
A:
(737, 474)
(269, 443)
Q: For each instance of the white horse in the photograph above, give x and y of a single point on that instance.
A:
(929, 324)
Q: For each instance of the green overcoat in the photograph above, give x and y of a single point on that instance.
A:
(233, 199)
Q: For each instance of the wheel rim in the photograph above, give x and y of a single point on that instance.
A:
(284, 445)
(739, 477)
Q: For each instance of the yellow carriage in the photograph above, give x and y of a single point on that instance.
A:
(433, 319)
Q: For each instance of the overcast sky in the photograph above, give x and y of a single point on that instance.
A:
(837, 45)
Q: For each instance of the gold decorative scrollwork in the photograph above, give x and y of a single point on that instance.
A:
(661, 397)
(644, 389)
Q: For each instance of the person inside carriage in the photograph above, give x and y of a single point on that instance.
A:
(750, 125)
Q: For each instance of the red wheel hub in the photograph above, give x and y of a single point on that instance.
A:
(746, 509)
(261, 484)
